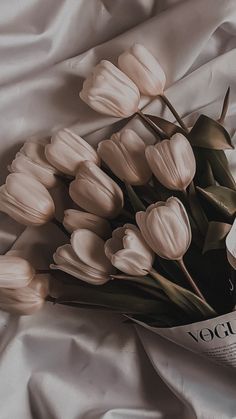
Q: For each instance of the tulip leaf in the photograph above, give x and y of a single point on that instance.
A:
(134, 199)
(222, 199)
(208, 133)
(204, 176)
(220, 168)
(183, 298)
(197, 211)
(215, 237)
(168, 127)
(224, 107)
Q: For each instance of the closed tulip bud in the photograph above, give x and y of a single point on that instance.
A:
(15, 272)
(124, 153)
(26, 200)
(95, 192)
(231, 245)
(74, 219)
(84, 258)
(128, 251)
(172, 162)
(165, 227)
(109, 91)
(31, 160)
(145, 71)
(67, 150)
(25, 300)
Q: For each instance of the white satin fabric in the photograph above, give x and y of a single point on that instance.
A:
(70, 364)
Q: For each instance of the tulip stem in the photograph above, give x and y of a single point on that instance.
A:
(190, 279)
(174, 112)
(151, 124)
(60, 226)
(43, 271)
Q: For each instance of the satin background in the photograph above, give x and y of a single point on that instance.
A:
(65, 363)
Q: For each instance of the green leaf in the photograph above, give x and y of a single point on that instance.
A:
(222, 199)
(215, 237)
(197, 211)
(208, 133)
(204, 176)
(134, 199)
(224, 107)
(220, 168)
(168, 127)
(190, 303)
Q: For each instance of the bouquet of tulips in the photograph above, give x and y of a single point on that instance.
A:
(150, 232)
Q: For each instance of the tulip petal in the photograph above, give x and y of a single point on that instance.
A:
(131, 262)
(90, 250)
(15, 272)
(231, 246)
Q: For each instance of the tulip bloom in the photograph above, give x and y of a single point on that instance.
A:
(25, 300)
(109, 91)
(128, 251)
(31, 160)
(165, 227)
(143, 68)
(84, 258)
(74, 219)
(231, 246)
(172, 162)
(15, 272)
(26, 200)
(67, 150)
(96, 192)
(124, 154)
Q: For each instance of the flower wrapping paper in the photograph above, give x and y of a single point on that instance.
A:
(65, 363)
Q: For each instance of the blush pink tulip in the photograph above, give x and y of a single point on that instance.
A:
(74, 219)
(143, 68)
(84, 258)
(15, 272)
(67, 150)
(128, 251)
(172, 162)
(124, 154)
(165, 227)
(109, 91)
(25, 300)
(95, 192)
(26, 200)
(231, 246)
(31, 160)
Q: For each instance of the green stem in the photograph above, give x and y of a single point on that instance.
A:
(60, 226)
(151, 124)
(190, 279)
(174, 112)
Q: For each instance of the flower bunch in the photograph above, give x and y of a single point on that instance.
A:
(149, 223)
